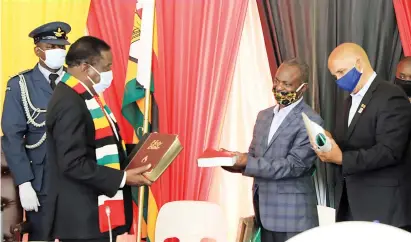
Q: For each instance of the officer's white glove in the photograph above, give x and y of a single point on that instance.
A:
(28, 197)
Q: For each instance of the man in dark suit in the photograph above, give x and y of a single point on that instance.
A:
(403, 75)
(86, 152)
(371, 139)
(23, 120)
(281, 160)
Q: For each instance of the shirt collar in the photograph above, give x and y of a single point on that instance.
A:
(287, 108)
(367, 85)
(46, 73)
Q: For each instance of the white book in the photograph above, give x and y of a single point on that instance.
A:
(326, 215)
(317, 134)
(213, 158)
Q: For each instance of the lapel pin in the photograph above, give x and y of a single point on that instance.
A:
(362, 107)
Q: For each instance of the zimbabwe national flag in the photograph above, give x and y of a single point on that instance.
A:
(133, 111)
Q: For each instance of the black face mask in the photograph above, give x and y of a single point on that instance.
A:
(405, 84)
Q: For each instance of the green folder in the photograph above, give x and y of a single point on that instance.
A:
(257, 236)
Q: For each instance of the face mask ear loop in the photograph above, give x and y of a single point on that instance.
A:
(301, 86)
(362, 69)
(91, 80)
(95, 70)
(90, 77)
(43, 52)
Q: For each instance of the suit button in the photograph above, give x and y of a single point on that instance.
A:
(31, 161)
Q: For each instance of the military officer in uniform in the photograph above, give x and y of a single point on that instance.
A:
(23, 121)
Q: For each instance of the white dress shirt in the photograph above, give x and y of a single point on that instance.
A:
(357, 97)
(123, 182)
(279, 116)
(46, 73)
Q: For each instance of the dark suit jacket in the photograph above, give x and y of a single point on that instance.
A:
(374, 167)
(77, 180)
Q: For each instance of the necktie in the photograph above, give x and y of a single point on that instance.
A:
(347, 106)
(53, 77)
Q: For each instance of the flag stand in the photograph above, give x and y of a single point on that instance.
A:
(141, 189)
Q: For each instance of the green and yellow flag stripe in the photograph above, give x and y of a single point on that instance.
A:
(133, 111)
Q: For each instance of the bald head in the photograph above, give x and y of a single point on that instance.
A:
(404, 69)
(347, 56)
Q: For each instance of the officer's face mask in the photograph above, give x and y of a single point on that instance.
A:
(105, 80)
(405, 84)
(54, 58)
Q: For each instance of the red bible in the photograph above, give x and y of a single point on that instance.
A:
(156, 149)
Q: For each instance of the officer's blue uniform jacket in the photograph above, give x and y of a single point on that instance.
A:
(25, 164)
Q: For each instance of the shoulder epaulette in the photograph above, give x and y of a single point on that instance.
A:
(22, 72)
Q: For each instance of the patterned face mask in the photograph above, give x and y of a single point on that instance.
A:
(287, 98)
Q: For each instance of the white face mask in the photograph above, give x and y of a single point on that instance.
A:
(105, 80)
(54, 58)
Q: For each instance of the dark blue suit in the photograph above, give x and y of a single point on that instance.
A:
(26, 164)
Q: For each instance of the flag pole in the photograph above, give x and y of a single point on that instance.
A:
(144, 74)
(141, 189)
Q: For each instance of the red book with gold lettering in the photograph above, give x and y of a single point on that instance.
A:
(156, 149)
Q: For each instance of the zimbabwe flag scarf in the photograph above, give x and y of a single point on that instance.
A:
(106, 150)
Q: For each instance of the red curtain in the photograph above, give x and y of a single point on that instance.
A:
(112, 21)
(403, 14)
(198, 44)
